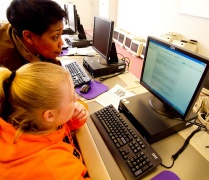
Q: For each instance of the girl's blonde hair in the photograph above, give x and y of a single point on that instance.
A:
(36, 87)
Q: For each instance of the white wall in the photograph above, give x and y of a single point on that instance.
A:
(108, 9)
(3, 5)
(156, 17)
(144, 18)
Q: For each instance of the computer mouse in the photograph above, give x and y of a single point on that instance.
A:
(85, 88)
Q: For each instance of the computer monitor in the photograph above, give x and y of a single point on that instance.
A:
(174, 76)
(103, 40)
(72, 24)
(81, 32)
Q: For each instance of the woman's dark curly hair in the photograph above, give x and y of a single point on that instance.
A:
(34, 15)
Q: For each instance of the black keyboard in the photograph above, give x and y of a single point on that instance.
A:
(78, 74)
(131, 151)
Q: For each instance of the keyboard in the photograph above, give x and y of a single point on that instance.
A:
(78, 74)
(66, 40)
(134, 156)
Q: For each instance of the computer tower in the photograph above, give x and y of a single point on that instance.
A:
(97, 69)
(152, 125)
(187, 45)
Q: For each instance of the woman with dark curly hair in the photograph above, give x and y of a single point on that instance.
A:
(32, 34)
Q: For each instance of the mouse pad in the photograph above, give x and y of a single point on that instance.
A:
(97, 88)
(165, 175)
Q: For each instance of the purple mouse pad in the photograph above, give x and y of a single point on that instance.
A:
(97, 88)
(64, 52)
(166, 175)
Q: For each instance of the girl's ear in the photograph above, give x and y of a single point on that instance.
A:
(49, 115)
(28, 36)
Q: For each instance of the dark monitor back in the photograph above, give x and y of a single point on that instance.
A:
(103, 39)
(71, 21)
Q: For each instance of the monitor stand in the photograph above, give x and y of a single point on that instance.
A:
(113, 57)
(152, 125)
(161, 108)
(68, 31)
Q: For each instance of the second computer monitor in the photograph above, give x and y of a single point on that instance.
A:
(103, 40)
(72, 24)
(71, 21)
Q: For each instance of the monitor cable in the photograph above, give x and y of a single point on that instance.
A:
(186, 143)
(126, 60)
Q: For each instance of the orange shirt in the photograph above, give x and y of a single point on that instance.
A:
(39, 156)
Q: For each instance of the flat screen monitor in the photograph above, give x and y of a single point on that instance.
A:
(81, 32)
(72, 24)
(71, 20)
(174, 76)
(103, 40)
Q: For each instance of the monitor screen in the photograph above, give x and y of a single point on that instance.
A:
(134, 47)
(71, 21)
(115, 35)
(174, 76)
(121, 38)
(128, 42)
(103, 40)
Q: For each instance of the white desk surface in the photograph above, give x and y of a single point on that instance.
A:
(190, 165)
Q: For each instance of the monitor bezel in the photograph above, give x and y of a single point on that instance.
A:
(188, 53)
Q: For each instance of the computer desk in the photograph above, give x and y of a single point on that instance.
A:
(190, 165)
